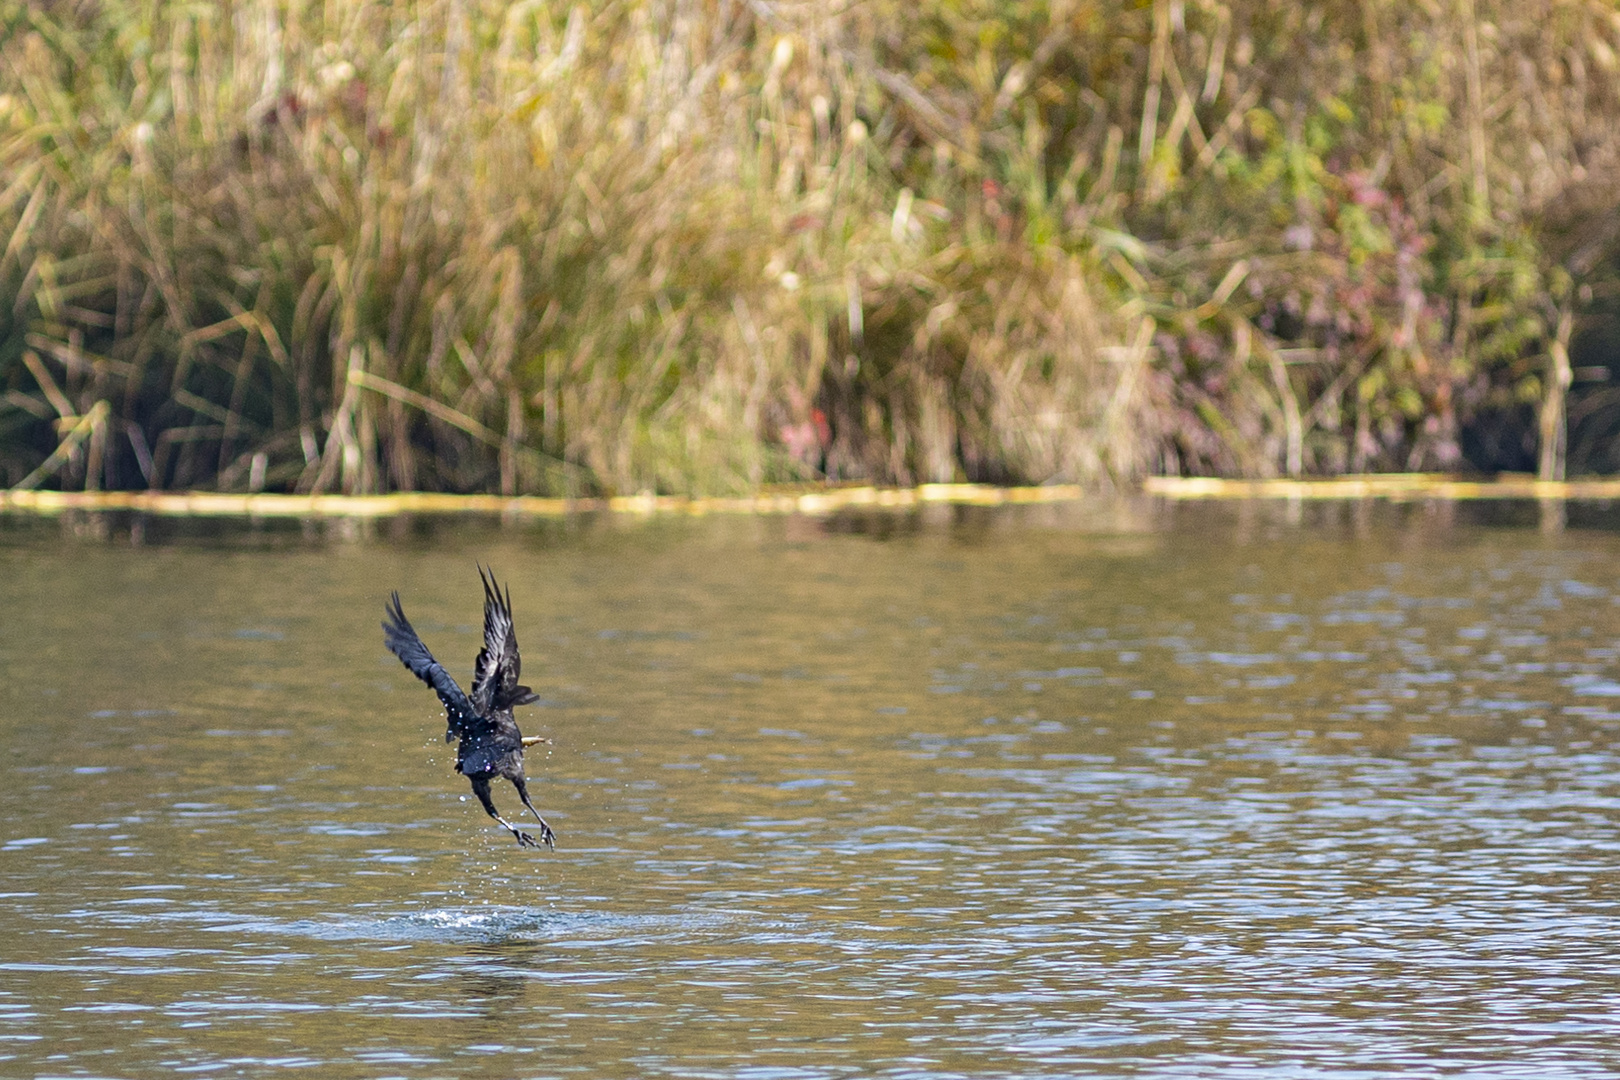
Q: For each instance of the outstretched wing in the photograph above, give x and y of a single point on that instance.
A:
(403, 642)
(495, 675)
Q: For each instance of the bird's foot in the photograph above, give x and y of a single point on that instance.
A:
(548, 837)
(525, 840)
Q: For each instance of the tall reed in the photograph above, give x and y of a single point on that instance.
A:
(694, 247)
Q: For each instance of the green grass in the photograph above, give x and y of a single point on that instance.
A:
(696, 247)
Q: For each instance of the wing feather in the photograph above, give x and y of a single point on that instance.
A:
(495, 674)
(404, 642)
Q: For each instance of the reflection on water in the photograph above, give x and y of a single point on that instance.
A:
(1123, 789)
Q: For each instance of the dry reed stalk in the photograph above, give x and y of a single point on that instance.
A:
(84, 427)
(1554, 431)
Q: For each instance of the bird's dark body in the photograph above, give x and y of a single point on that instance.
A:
(490, 744)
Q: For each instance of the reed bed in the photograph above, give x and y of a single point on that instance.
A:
(696, 248)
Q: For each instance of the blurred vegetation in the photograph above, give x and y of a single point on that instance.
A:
(694, 246)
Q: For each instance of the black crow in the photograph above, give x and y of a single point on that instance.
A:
(491, 744)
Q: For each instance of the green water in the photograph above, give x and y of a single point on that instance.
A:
(1116, 789)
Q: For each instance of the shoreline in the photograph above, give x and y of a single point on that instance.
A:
(1395, 487)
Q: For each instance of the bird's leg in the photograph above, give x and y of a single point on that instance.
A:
(481, 789)
(546, 834)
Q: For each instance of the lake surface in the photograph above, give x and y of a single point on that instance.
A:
(1130, 788)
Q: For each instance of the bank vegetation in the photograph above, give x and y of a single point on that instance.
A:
(698, 246)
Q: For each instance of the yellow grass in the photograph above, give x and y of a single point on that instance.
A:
(216, 504)
(1398, 487)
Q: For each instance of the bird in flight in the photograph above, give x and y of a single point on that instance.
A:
(490, 743)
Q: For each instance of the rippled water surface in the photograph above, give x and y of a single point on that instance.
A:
(1122, 789)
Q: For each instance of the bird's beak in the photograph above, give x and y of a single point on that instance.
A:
(533, 740)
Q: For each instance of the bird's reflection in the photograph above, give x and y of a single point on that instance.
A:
(493, 978)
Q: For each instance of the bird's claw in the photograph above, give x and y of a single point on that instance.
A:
(548, 837)
(525, 840)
